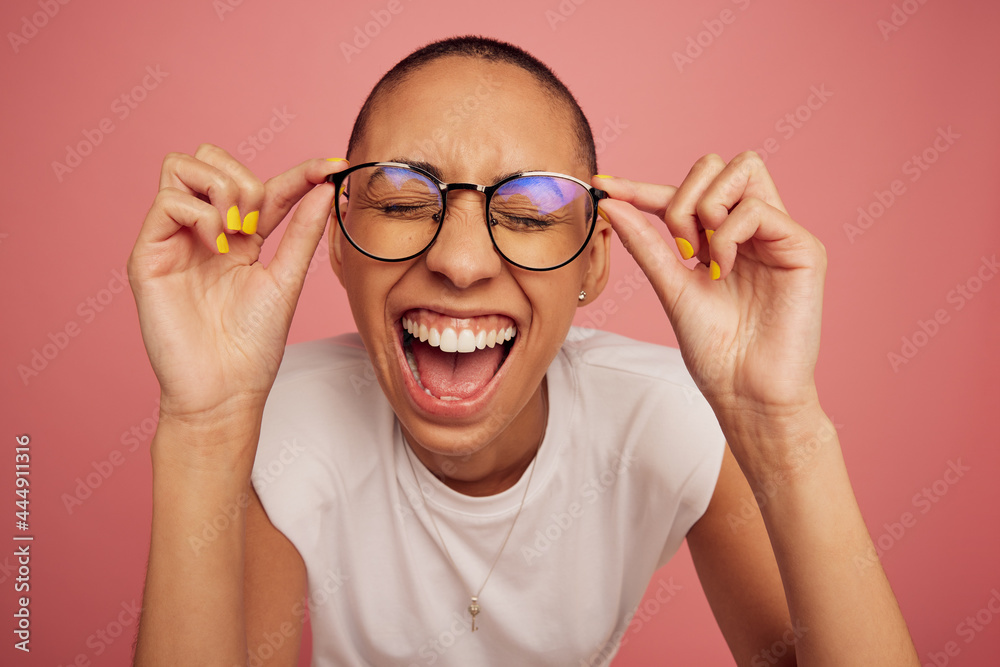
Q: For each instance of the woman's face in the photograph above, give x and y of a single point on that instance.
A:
(475, 122)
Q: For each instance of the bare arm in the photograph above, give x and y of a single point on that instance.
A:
(220, 574)
(748, 320)
(842, 613)
(737, 570)
(215, 321)
(274, 592)
(193, 603)
(778, 563)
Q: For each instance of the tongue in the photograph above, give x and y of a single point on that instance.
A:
(459, 374)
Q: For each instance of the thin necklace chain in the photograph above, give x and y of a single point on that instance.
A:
(474, 606)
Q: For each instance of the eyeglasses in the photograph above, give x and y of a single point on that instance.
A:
(537, 220)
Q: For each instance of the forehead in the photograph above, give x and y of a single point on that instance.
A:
(472, 119)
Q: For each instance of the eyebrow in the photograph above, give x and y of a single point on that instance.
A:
(434, 171)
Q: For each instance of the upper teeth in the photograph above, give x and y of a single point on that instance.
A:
(464, 340)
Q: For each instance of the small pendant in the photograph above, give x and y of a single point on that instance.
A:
(474, 609)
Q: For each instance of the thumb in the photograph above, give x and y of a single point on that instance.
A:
(656, 258)
(298, 243)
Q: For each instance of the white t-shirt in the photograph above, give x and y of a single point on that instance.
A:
(629, 462)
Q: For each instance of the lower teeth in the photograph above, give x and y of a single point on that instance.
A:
(412, 362)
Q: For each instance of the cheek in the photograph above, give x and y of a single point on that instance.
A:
(553, 305)
(367, 287)
(334, 247)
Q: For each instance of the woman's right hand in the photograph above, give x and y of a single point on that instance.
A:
(214, 319)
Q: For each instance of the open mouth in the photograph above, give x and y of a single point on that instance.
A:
(452, 359)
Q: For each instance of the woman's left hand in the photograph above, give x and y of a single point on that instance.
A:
(747, 317)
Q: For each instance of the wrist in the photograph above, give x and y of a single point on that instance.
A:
(204, 411)
(222, 444)
(779, 445)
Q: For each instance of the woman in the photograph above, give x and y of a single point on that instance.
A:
(504, 491)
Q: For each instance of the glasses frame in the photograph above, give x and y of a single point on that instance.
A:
(488, 190)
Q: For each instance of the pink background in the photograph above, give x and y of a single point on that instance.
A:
(66, 236)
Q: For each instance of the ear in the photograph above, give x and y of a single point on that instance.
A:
(336, 248)
(599, 261)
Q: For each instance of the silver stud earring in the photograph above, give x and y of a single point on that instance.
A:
(583, 295)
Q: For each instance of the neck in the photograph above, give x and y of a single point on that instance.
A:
(497, 466)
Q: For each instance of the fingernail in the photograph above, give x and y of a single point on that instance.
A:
(223, 243)
(250, 222)
(600, 212)
(714, 270)
(708, 234)
(602, 176)
(336, 159)
(233, 218)
(687, 252)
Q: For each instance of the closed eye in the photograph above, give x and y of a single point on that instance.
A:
(517, 221)
(399, 211)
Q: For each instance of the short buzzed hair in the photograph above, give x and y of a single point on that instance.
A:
(492, 50)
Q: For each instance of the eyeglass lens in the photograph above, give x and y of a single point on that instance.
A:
(535, 221)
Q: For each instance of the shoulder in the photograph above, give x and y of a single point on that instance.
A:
(629, 363)
(319, 380)
(641, 397)
(326, 433)
(324, 400)
(313, 373)
(302, 360)
(643, 392)
(324, 382)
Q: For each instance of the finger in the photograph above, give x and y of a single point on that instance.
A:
(744, 177)
(283, 191)
(774, 238)
(249, 187)
(298, 243)
(650, 198)
(205, 182)
(682, 212)
(644, 196)
(651, 252)
(173, 210)
(704, 239)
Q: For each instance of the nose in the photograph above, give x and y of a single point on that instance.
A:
(463, 252)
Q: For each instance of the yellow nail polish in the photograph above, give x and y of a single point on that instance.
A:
(600, 212)
(336, 159)
(233, 218)
(687, 252)
(250, 222)
(223, 243)
(714, 270)
(708, 234)
(602, 176)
